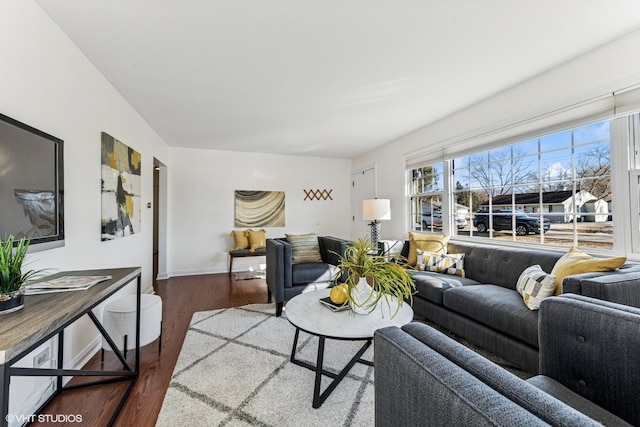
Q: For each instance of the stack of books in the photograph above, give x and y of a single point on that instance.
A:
(333, 306)
(64, 284)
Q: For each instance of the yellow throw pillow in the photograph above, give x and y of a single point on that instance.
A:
(257, 239)
(426, 242)
(241, 240)
(576, 262)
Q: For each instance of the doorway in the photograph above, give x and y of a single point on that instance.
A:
(159, 205)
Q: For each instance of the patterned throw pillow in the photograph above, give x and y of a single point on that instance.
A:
(448, 264)
(305, 248)
(426, 259)
(534, 285)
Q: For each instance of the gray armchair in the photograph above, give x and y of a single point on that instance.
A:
(286, 280)
(588, 373)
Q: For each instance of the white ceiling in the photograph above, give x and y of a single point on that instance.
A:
(333, 78)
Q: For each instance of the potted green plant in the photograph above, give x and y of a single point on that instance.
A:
(12, 279)
(371, 277)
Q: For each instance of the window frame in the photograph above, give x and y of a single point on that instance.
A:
(449, 195)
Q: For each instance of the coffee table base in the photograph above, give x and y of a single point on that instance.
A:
(318, 396)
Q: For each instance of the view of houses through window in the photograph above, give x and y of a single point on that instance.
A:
(552, 189)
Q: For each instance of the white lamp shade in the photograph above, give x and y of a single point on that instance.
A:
(376, 209)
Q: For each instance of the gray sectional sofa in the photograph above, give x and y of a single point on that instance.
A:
(484, 306)
(589, 373)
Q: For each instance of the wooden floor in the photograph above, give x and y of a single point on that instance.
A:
(181, 297)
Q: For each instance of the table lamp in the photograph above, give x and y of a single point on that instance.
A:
(375, 210)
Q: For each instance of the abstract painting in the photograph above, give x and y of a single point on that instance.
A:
(259, 208)
(121, 184)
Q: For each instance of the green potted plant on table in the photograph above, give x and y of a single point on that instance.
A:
(12, 279)
(372, 277)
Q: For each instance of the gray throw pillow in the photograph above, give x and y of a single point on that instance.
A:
(305, 248)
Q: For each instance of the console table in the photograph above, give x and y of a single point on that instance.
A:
(47, 315)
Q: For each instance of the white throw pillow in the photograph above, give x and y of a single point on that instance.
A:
(535, 285)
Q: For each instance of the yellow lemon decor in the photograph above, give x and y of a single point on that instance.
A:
(339, 294)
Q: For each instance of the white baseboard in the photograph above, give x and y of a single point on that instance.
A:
(179, 273)
(85, 355)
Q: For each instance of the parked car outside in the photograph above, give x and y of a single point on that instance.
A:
(436, 220)
(503, 220)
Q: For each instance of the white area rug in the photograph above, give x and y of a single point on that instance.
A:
(234, 370)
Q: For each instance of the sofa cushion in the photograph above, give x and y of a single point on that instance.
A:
(499, 308)
(248, 252)
(500, 265)
(430, 286)
(311, 272)
(425, 242)
(590, 409)
(576, 262)
(535, 285)
(304, 248)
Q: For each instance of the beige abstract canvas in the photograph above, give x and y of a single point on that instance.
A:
(259, 208)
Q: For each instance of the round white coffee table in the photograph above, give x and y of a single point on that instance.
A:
(307, 314)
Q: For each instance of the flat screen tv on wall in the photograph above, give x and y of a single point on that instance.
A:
(31, 185)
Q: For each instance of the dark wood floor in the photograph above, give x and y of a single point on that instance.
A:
(181, 297)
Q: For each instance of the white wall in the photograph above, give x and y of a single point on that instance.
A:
(605, 70)
(201, 208)
(47, 83)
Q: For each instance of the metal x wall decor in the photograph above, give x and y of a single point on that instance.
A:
(317, 194)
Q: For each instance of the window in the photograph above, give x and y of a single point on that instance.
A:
(554, 189)
(426, 187)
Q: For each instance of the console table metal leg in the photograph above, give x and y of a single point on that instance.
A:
(4, 393)
(138, 292)
(60, 362)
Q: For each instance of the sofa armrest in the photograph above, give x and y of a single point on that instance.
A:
(619, 286)
(539, 403)
(591, 347)
(415, 385)
(278, 267)
(332, 248)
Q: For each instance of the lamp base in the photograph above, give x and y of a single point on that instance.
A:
(375, 234)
